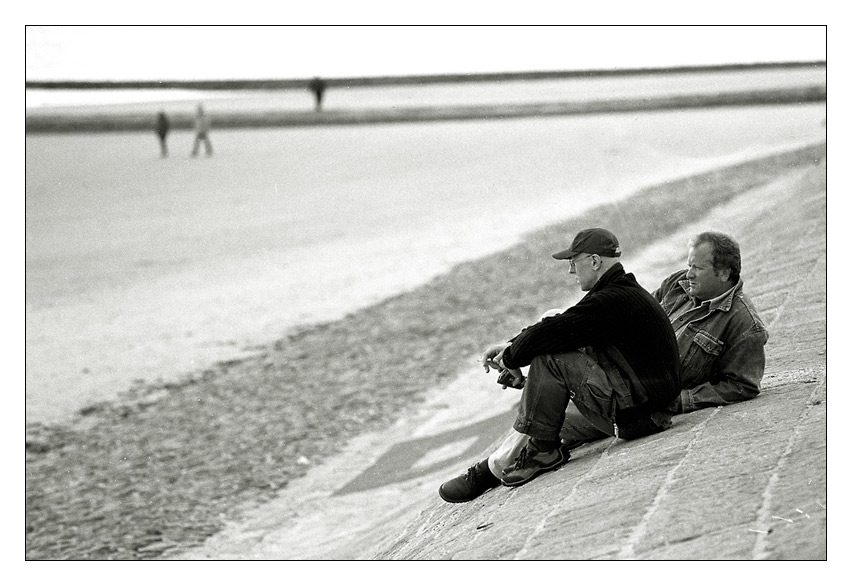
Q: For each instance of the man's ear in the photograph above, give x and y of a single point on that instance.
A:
(724, 274)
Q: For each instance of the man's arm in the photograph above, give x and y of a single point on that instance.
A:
(493, 358)
(739, 371)
(584, 324)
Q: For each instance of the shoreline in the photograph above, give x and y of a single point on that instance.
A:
(129, 118)
(165, 463)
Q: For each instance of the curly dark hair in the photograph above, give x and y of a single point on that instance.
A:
(726, 252)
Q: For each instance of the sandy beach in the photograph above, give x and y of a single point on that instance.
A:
(147, 271)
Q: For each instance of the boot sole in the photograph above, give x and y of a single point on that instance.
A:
(467, 500)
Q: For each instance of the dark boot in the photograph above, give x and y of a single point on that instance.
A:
(477, 480)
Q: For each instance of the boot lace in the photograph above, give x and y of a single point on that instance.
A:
(471, 476)
(520, 459)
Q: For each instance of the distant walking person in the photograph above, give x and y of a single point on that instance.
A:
(163, 132)
(202, 129)
(317, 86)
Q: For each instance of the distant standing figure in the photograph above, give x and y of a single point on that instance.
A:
(162, 133)
(317, 86)
(202, 129)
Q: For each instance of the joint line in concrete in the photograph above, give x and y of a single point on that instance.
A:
(628, 550)
(539, 529)
(761, 544)
(802, 281)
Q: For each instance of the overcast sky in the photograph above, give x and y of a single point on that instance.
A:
(222, 52)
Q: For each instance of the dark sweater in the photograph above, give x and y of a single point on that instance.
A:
(617, 312)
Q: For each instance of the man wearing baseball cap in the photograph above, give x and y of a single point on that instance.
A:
(593, 241)
(613, 355)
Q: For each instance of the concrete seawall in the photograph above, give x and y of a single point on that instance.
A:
(743, 482)
(747, 481)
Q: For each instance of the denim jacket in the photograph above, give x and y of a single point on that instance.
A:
(721, 349)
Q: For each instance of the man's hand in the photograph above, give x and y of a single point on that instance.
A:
(493, 355)
(493, 358)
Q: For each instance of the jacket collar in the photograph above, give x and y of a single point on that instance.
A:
(723, 302)
(614, 272)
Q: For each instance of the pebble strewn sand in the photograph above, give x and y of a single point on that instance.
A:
(163, 468)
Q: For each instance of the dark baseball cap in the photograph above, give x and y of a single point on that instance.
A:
(592, 241)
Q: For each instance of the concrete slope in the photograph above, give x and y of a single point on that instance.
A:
(747, 481)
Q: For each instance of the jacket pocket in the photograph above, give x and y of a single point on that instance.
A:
(708, 343)
(699, 362)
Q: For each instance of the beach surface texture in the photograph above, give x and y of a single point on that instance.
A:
(331, 443)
